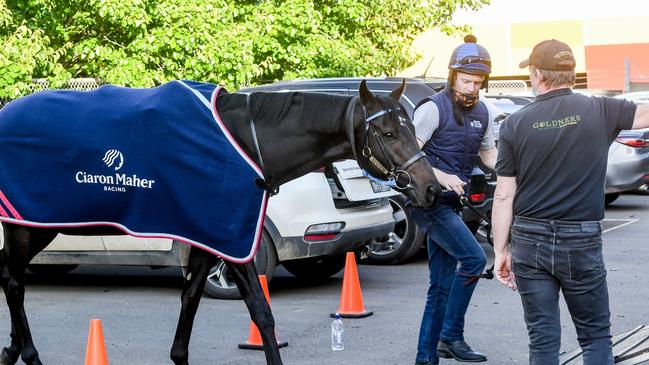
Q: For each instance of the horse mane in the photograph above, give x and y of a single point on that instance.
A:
(323, 112)
(270, 107)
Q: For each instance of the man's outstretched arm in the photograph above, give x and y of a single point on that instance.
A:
(641, 119)
(501, 219)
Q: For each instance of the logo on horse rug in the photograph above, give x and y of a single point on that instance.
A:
(153, 162)
(111, 156)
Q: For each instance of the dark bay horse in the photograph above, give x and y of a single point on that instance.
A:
(287, 135)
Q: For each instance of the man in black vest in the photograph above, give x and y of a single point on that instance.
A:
(454, 127)
(550, 191)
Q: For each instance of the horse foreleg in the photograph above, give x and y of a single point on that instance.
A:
(245, 275)
(199, 265)
(9, 355)
(21, 245)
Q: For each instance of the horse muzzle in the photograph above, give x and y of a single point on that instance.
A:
(427, 201)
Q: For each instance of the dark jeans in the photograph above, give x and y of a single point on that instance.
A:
(549, 256)
(451, 285)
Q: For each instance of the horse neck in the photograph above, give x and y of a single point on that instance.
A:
(294, 145)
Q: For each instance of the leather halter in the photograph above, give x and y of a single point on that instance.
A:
(262, 183)
(391, 174)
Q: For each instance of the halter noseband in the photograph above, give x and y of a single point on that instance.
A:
(392, 173)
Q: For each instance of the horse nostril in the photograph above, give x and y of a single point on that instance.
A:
(431, 195)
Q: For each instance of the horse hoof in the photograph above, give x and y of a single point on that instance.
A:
(5, 359)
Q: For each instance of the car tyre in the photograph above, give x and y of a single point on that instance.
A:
(317, 268)
(610, 198)
(220, 284)
(404, 242)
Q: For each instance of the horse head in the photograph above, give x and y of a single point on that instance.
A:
(388, 149)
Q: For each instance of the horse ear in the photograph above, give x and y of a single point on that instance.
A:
(396, 93)
(366, 95)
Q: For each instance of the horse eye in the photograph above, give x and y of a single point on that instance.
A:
(389, 135)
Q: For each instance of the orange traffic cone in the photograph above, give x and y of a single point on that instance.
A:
(95, 350)
(254, 338)
(351, 299)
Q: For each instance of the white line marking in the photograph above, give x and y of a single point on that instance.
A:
(628, 221)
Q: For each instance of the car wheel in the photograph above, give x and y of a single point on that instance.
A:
(610, 198)
(318, 268)
(47, 269)
(219, 282)
(404, 242)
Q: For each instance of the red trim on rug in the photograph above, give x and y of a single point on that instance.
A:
(11, 208)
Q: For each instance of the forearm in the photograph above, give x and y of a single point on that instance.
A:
(641, 119)
(489, 157)
(502, 216)
(503, 213)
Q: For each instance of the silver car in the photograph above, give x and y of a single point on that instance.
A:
(628, 157)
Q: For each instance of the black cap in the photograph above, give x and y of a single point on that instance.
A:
(551, 55)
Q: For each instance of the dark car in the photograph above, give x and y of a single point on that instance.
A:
(415, 91)
(407, 238)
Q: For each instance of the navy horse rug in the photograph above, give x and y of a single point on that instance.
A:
(153, 162)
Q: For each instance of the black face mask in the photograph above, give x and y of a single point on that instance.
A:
(466, 101)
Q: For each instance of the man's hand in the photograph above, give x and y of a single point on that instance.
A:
(503, 269)
(449, 182)
(501, 218)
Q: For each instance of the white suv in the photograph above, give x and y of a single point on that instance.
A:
(309, 226)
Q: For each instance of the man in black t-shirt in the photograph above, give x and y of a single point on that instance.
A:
(550, 192)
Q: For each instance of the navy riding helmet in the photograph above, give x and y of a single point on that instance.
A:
(471, 58)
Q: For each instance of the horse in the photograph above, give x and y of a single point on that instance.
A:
(286, 135)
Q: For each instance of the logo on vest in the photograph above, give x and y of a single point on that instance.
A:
(113, 157)
(476, 124)
(119, 182)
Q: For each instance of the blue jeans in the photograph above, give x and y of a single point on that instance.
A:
(548, 256)
(451, 285)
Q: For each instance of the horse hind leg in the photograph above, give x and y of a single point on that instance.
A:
(245, 275)
(10, 354)
(199, 265)
(20, 246)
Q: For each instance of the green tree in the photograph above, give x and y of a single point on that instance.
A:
(143, 43)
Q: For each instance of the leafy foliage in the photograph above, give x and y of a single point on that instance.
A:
(143, 43)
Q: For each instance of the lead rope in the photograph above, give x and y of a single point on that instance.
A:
(489, 273)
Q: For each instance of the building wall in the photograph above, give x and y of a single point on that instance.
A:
(612, 66)
(600, 46)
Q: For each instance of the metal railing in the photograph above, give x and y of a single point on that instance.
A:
(82, 84)
(507, 87)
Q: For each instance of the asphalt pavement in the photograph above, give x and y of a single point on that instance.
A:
(139, 310)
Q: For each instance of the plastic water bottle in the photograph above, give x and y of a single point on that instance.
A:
(337, 334)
